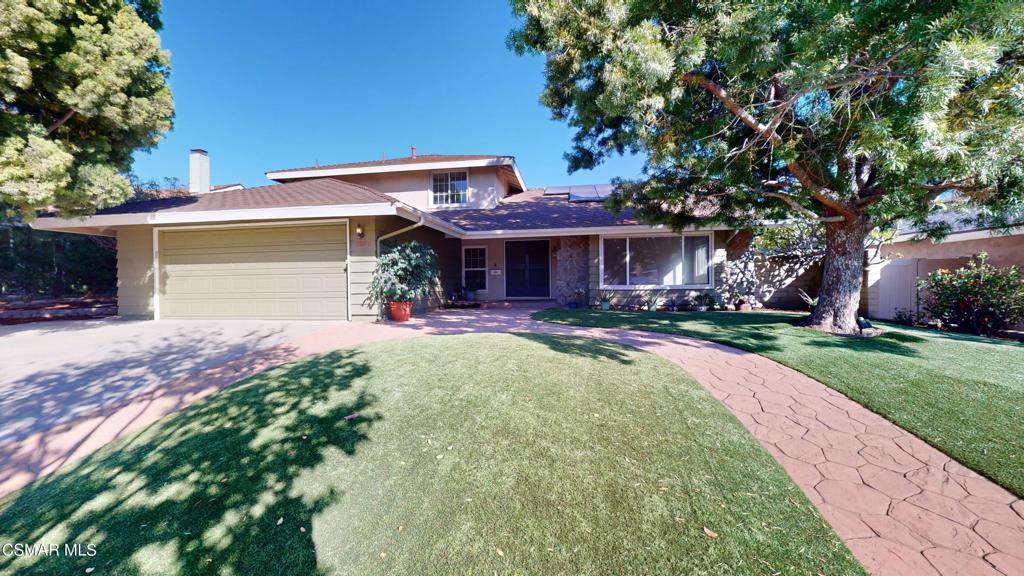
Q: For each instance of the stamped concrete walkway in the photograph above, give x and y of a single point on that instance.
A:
(902, 507)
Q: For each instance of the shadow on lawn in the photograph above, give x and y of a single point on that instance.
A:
(202, 490)
(580, 347)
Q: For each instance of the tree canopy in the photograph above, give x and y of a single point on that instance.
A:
(83, 85)
(855, 114)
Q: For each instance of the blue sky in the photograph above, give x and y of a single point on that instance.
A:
(265, 85)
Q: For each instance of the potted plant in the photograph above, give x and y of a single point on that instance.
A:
(605, 299)
(579, 296)
(649, 303)
(404, 273)
(468, 294)
(704, 302)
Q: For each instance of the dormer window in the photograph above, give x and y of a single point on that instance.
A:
(450, 188)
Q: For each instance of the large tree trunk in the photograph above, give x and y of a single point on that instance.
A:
(841, 277)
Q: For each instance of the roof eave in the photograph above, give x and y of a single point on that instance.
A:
(102, 221)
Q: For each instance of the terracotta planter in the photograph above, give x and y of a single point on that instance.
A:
(399, 311)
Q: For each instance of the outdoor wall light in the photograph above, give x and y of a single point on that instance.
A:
(359, 231)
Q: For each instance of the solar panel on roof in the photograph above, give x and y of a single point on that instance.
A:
(557, 190)
(590, 192)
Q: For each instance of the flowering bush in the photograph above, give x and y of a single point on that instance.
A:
(978, 298)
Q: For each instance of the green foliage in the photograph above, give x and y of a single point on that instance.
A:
(754, 109)
(404, 273)
(978, 298)
(800, 236)
(35, 263)
(82, 87)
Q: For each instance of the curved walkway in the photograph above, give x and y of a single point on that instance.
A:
(902, 507)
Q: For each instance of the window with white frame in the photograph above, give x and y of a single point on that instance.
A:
(656, 261)
(474, 267)
(449, 188)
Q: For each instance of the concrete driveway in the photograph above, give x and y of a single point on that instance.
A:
(68, 387)
(52, 372)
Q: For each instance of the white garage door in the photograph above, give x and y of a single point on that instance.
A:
(273, 272)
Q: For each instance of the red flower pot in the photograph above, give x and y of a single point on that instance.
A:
(399, 311)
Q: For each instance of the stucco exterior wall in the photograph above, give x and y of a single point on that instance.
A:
(414, 188)
(135, 272)
(1002, 250)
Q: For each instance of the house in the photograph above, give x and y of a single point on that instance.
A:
(306, 246)
(890, 278)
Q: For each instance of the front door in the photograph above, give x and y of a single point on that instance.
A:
(527, 269)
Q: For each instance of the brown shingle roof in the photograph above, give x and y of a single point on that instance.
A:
(313, 192)
(419, 159)
(533, 211)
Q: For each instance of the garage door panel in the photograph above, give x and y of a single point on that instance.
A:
(276, 273)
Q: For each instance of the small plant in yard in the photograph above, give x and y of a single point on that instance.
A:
(811, 302)
(604, 298)
(404, 273)
(977, 298)
(907, 317)
(705, 301)
(649, 303)
(579, 297)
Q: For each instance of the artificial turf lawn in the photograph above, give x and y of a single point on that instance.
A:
(474, 454)
(962, 394)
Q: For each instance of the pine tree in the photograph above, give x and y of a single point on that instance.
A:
(83, 85)
(853, 114)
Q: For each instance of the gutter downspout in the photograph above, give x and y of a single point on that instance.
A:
(423, 220)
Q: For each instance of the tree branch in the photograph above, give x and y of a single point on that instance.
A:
(801, 209)
(60, 122)
(801, 173)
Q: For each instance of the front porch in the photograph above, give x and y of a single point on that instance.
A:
(547, 270)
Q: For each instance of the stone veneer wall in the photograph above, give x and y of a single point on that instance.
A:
(571, 254)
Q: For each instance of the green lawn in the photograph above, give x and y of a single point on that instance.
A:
(962, 394)
(475, 454)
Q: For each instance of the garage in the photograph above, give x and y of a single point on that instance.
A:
(287, 272)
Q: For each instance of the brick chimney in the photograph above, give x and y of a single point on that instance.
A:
(198, 172)
(413, 151)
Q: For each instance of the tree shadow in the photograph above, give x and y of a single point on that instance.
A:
(214, 488)
(580, 347)
(120, 370)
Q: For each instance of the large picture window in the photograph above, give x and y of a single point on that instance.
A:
(474, 268)
(449, 188)
(656, 261)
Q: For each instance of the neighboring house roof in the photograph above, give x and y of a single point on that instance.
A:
(505, 164)
(225, 187)
(533, 210)
(317, 192)
(958, 222)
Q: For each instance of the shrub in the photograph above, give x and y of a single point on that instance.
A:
(404, 273)
(978, 298)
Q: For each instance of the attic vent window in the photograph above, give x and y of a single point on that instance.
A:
(449, 188)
